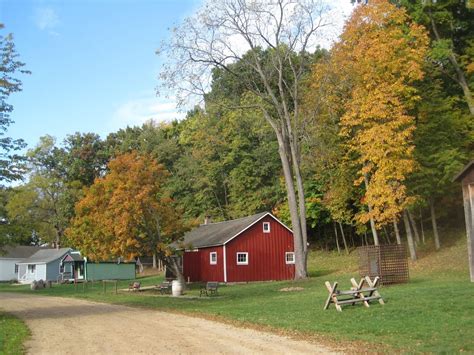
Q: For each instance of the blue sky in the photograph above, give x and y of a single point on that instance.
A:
(93, 63)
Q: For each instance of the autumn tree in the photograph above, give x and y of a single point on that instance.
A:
(376, 62)
(127, 213)
(264, 45)
(11, 163)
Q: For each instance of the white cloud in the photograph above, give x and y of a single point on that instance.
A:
(46, 19)
(140, 110)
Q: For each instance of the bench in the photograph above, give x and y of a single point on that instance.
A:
(134, 286)
(210, 289)
(357, 294)
(164, 287)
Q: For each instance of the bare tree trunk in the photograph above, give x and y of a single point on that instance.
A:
(387, 236)
(372, 222)
(415, 229)
(343, 238)
(300, 257)
(422, 228)
(397, 232)
(170, 261)
(435, 225)
(337, 241)
(154, 260)
(411, 244)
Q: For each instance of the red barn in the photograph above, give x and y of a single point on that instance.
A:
(254, 248)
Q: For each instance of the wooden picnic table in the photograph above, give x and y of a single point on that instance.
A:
(358, 293)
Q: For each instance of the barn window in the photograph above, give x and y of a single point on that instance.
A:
(242, 258)
(290, 258)
(266, 227)
(213, 258)
(31, 269)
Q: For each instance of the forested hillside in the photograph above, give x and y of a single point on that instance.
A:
(372, 132)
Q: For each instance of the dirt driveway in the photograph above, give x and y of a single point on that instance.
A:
(72, 326)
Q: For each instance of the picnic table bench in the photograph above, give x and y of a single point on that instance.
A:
(164, 287)
(210, 289)
(134, 286)
(358, 293)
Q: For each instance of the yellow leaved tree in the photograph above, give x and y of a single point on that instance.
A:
(369, 80)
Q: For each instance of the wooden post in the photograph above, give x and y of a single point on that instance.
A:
(103, 282)
(116, 286)
(468, 197)
(466, 177)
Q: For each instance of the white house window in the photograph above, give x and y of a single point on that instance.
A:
(290, 258)
(242, 258)
(213, 258)
(266, 227)
(31, 269)
(16, 268)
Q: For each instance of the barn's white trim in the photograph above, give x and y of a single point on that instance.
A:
(225, 264)
(250, 225)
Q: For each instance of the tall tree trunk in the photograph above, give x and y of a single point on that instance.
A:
(154, 260)
(411, 244)
(435, 225)
(170, 261)
(415, 229)
(300, 257)
(422, 228)
(372, 222)
(397, 232)
(337, 241)
(386, 235)
(343, 238)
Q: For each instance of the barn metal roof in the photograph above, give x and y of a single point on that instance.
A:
(18, 251)
(220, 233)
(464, 171)
(46, 256)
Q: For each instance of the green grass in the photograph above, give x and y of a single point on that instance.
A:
(13, 333)
(432, 313)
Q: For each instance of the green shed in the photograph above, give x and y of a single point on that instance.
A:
(110, 271)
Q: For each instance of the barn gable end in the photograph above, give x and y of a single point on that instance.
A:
(261, 240)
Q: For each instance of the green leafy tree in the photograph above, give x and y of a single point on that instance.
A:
(451, 26)
(11, 163)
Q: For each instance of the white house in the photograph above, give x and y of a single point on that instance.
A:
(11, 256)
(45, 264)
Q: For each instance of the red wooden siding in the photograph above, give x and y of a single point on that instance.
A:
(197, 265)
(266, 253)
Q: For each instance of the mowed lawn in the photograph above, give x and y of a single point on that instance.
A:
(432, 313)
(13, 332)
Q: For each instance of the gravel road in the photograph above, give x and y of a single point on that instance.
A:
(73, 326)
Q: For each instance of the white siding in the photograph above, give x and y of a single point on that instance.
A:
(40, 272)
(7, 269)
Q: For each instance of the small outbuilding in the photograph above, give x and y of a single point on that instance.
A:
(43, 265)
(68, 265)
(466, 178)
(253, 248)
(10, 256)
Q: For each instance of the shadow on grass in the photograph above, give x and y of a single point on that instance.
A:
(320, 273)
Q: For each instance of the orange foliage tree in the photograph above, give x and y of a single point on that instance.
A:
(127, 213)
(369, 78)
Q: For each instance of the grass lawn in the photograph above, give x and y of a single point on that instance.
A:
(13, 332)
(432, 313)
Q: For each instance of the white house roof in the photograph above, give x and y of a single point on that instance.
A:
(18, 251)
(45, 256)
